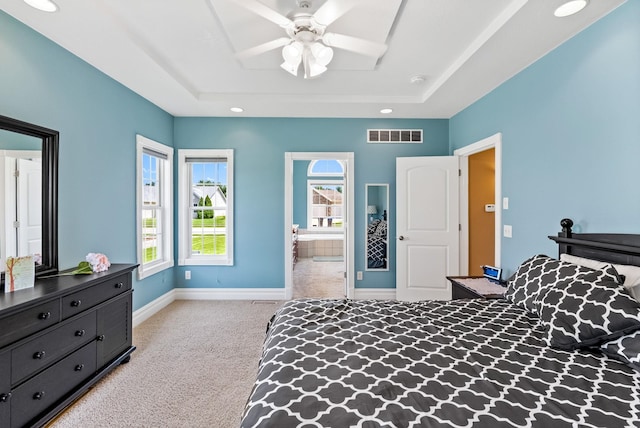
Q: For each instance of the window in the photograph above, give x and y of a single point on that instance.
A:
(325, 168)
(154, 203)
(206, 207)
(325, 204)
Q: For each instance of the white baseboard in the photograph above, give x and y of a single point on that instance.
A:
(161, 302)
(229, 293)
(152, 308)
(374, 293)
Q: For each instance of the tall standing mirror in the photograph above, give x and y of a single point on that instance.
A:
(377, 212)
(29, 194)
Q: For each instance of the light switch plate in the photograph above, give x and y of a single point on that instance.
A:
(507, 231)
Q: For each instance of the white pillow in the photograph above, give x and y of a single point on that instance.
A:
(631, 273)
(581, 261)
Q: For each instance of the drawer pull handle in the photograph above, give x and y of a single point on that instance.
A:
(119, 285)
(101, 338)
(80, 333)
(39, 355)
(76, 303)
(5, 397)
(79, 367)
(38, 395)
(44, 315)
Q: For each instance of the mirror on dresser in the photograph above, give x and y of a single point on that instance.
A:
(377, 242)
(28, 194)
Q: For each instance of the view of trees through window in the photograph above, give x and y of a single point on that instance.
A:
(209, 207)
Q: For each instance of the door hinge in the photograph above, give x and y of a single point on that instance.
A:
(459, 173)
(16, 173)
(16, 224)
(345, 274)
(459, 227)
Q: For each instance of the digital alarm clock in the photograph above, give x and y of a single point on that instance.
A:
(492, 272)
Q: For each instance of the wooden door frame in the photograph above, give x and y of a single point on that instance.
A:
(495, 142)
(348, 219)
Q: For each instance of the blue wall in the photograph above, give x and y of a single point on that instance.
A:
(570, 147)
(260, 145)
(571, 137)
(98, 119)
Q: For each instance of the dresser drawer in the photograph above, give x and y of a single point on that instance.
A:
(89, 297)
(45, 389)
(27, 322)
(44, 350)
(5, 387)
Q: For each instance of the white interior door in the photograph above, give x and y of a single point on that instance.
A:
(427, 245)
(29, 201)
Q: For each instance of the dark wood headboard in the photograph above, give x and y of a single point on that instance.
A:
(608, 247)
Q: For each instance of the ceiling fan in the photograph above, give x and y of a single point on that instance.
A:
(308, 43)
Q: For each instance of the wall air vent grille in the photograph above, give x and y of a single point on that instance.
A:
(394, 136)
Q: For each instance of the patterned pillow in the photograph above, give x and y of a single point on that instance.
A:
(371, 228)
(625, 348)
(381, 230)
(588, 313)
(538, 274)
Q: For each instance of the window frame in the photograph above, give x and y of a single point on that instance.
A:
(185, 257)
(311, 183)
(166, 206)
(313, 163)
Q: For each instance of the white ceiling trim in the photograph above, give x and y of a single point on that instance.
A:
(475, 46)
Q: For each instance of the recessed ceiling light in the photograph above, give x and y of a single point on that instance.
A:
(570, 8)
(237, 109)
(386, 110)
(43, 5)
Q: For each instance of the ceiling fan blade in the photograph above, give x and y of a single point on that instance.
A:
(355, 44)
(265, 47)
(332, 10)
(266, 12)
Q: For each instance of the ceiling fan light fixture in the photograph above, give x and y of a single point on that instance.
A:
(323, 54)
(311, 67)
(292, 53)
(43, 5)
(290, 68)
(570, 8)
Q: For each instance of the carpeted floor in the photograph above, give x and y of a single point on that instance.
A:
(318, 279)
(194, 367)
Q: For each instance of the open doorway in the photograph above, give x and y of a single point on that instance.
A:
(318, 215)
(479, 205)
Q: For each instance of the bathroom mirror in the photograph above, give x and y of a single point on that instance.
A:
(29, 200)
(377, 214)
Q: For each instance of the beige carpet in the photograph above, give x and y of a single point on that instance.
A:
(318, 279)
(194, 367)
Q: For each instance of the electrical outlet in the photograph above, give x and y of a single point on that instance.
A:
(187, 274)
(507, 231)
(505, 203)
(359, 275)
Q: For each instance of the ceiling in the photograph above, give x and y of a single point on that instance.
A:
(182, 54)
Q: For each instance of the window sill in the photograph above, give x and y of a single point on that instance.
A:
(152, 270)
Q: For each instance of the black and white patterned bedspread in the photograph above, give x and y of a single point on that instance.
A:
(463, 363)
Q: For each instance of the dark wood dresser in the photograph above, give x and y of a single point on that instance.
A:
(58, 339)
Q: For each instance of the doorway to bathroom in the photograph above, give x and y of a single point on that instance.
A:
(318, 239)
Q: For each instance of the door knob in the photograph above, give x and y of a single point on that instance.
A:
(401, 238)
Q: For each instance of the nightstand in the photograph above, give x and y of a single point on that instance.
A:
(475, 287)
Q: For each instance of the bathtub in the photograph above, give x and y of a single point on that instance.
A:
(320, 244)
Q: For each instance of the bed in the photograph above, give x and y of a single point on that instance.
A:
(561, 350)
(377, 244)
